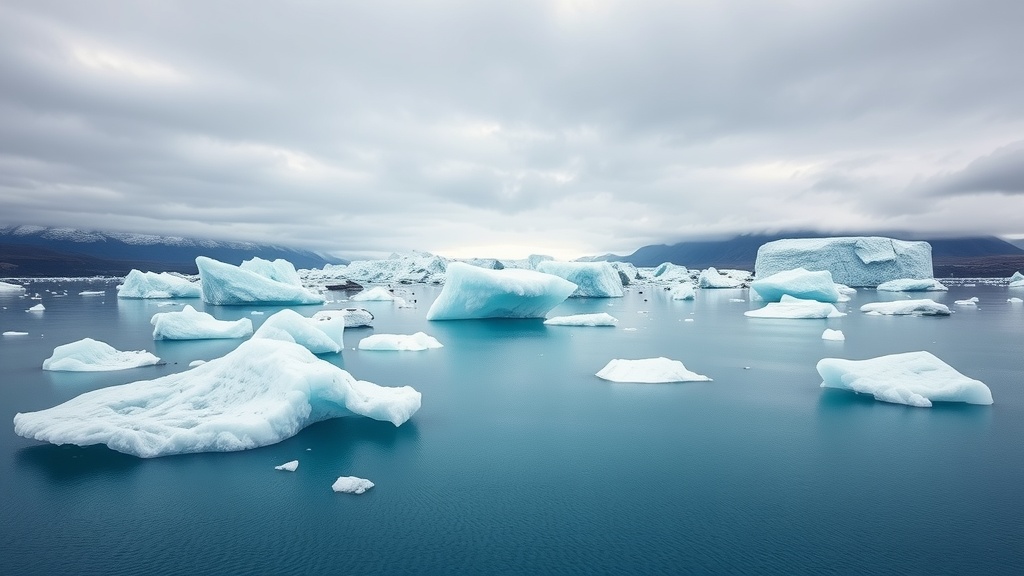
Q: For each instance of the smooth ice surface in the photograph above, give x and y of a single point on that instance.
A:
(795, 308)
(351, 485)
(414, 342)
(375, 294)
(592, 279)
(7, 288)
(471, 292)
(799, 283)
(852, 260)
(291, 466)
(1014, 300)
(224, 284)
(972, 301)
(711, 278)
(36, 308)
(88, 355)
(258, 394)
(921, 307)
(912, 378)
(835, 335)
(139, 284)
(685, 291)
(321, 334)
(649, 371)
(15, 333)
(912, 285)
(190, 324)
(598, 319)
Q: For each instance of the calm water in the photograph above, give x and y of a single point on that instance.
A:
(521, 461)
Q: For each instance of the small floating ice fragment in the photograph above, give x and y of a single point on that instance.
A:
(351, 485)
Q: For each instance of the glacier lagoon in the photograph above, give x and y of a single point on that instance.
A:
(521, 460)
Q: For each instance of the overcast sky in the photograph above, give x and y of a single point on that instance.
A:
(501, 128)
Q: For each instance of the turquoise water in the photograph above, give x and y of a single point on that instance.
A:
(521, 461)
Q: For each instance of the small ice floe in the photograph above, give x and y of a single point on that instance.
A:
(649, 371)
(415, 342)
(922, 307)
(600, 319)
(288, 466)
(191, 324)
(14, 333)
(163, 304)
(88, 355)
(195, 363)
(688, 320)
(351, 485)
(375, 294)
(1014, 300)
(36, 308)
(795, 308)
(835, 335)
(630, 329)
(912, 285)
(736, 300)
(969, 302)
(256, 313)
(92, 292)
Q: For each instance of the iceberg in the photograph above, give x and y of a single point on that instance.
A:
(224, 284)
(8, 289)
(15, 333)
(351, 485)
(684, 291)
(922, 307)
(649, 371)
(279, 270)
(152, 285)
(416, 342)
(1017, 283)
(36, 308)
(852, 260)
(288, 466)
(261, 393)
(669, 272)
(795, 308)
(354, 317)
(376, 294)
(471, 292)
(592, 279)
(1014, 300)
(1017, 277)
(190, 324)
(834, 335)
(972, 301)
(799, 283)
(599, 319)
(710, 278)
(912, 378)
(912, 285)
(88, 355)
(321, 334)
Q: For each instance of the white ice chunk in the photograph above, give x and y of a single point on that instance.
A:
(599, 319)
(684, 291)
(36, 308)
(92, 292)
(415, 342)
(472, 292)
(912, 285)
(190, 324)
(153, 285)
(351, 485)
(972, 301)
(375, 294)
(710, 278)
(799, 283)
(852, 260)
(1014, 300)
(288, 466)
(1017, 284)
(795, 308)
(922, 307)
(279, 270)
(1017, 277)
(669, 272)
(15, 333)
(912, 378)
(8, 289)
(195, 363)
(649, 371)
(261, 393)
(224, 284)
(355, 317)
(835, 335)
(321, 334)
(592, 279)
(88, 355)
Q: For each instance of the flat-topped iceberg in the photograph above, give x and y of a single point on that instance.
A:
(592, 279)
(9, 289)
(795, 308)
(472, 292)
(852, 260)
(912, 378)
(139, 284)
(598, 319)
(414, 342)
(684, 291)
(799, 283)
(912, 285)
(649, 371)
(190, 324)
(833, 335)
(261, 393)
(224, 284)
(88, 355)
(711, 278)
(321, 334)
(921, 307)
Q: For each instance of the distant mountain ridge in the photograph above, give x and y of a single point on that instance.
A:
(35, 251)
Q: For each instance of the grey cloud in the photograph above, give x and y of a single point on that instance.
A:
(1000, 172)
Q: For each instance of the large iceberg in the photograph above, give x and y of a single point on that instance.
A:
(88, 355)
(139, 284)
(912, 378)
(799, 283)
(711, 278)
(795, 308)
(598, 319)
(260, 393)
(190, 324)
(921, 307)
(321, 334)
(224, 284)
(852, 260)
(7, 289)
(592, 279)
(408, 268)
(912, 285)
(414, 342)
(472, 292)
(649, 371)
(279, 270)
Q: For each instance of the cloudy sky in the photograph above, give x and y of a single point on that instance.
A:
(501, 128)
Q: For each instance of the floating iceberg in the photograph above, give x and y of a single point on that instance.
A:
(669, 272)
(321, 334)
(471, 292)
(279, 270)
(354, 317)
(795, 308)
(409, 268)
(1014, 300)
(375, 294)
(8, 289)
(190, 324)
(351, 485)
(684, 292)
(224, 284)
(912, 378)
(88, 355)
(36, 308)
(416, 342)
(972, 301)
(854, 260)
(152, 285)
(710, 278)
(599, 319)
(15, 333)
(649, 371)
(592, 279)
(288, 466)
(799, 283)
(834, 335)
(260, 393)
(1017, 277)
(922, 307)
(912, 285)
